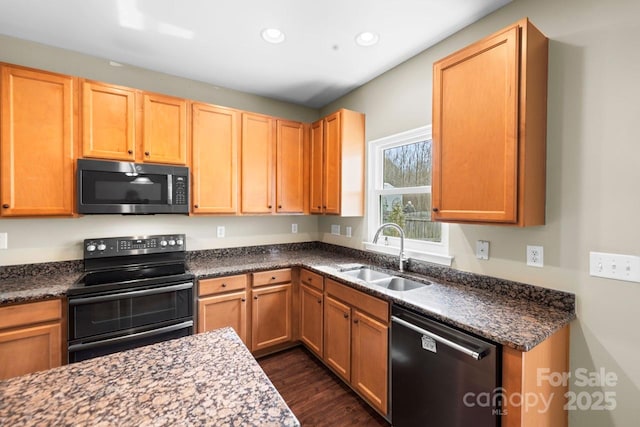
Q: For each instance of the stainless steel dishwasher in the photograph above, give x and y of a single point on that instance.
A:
(440, 376)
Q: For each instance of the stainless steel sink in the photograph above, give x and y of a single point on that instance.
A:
(399, 284)
(384, 280)
(367, 274)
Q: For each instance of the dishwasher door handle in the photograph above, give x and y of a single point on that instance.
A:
(438, 338)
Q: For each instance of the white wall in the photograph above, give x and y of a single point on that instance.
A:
(593, 173)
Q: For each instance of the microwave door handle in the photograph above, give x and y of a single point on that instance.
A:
(131, 294)
(170, 189)
(139, 335)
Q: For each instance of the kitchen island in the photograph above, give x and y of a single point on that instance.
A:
(204, 379)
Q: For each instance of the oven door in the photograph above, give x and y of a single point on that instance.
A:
(129, 318)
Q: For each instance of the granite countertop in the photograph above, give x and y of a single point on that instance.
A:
(204, 379)
(513, 314)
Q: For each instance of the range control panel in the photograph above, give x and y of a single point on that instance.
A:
(133, 245)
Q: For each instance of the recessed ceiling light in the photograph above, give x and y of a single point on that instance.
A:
(272, 35)
(367, 38)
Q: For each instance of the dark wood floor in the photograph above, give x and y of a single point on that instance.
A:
(314, 393)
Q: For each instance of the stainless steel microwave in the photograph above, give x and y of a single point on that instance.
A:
(107, 187)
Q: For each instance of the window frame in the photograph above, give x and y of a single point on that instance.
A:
(435, 252)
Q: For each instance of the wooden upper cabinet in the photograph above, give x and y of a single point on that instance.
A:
(37, 142)
(108, 121)
(337, 164)
(257, 153)
(164, 121)
(215, 137)
(489, 130)
(316, 164)
(290, 167)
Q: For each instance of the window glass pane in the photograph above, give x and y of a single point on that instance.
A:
(412, 212)
(407, 165)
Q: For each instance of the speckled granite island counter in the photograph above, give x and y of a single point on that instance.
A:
(205, 379)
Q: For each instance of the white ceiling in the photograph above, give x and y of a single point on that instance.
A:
(219, 42)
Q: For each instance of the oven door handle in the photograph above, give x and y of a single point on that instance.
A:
(145, 334)
(130, 294)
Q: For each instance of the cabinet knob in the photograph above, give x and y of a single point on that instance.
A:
(256, 297)
(346, 316)
(355, 320)
(6, 206)
(269, 206)
(435, 209)
(319, 301)
(224, 285)
(130, 151)
(273, 277)
(196, 206)
(279, 206)
(243, 299)
(324, 207)
(146, 153)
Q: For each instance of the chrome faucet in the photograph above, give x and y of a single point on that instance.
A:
(401, 231)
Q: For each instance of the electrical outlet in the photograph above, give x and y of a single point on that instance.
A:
(614, 266)
(4, 241)
(482, 249)
(347, 231)
(220, 231)
(535, 256)
(294, 228)
(335, 229)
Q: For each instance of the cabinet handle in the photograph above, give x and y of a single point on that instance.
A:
(130, 151)
(435, 209)
(243, 299)
(346, 316)
(224, 285)
(6, 206)
(146, 153)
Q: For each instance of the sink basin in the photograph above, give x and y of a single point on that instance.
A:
(399, 284)
(367, 274)
(384, 280)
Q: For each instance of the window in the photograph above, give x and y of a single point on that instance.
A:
(400, 192)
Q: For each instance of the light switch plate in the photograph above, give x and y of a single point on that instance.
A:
(4, 241)
(220, 231)
(614, 266)
(335, 229)
(482, 249)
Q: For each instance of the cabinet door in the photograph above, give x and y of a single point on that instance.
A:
(30, 349)
(270, 316)
(290, 167)
(37, 142)
(311, 326)
(332, 164)
(316, 165)
(369, 359)
(337, 337)
(475, 116)
(257, 163)
(224, 310)
(215, 136)
(164, 129)
(108, 121)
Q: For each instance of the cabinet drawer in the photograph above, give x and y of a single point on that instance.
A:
(312, 279)
(30, 313)
(272, 277)
(360, 300)
(222, 284)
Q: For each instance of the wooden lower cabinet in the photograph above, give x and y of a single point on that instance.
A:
(223, 310)
(270, 316)
(337, 337)
(30, 338)
(356, 342)
(311, 327)
(369, 364)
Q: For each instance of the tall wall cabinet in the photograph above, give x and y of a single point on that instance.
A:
(37, 142)
(489, 130)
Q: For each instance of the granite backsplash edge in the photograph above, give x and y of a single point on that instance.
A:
(549, 297)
